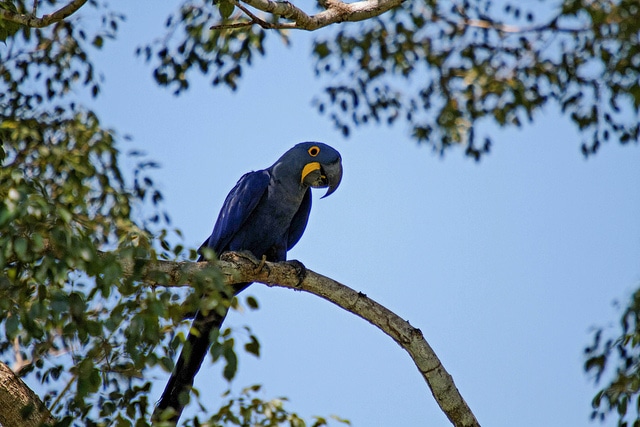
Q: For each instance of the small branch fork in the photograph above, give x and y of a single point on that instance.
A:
(31, 20)
(255, 20)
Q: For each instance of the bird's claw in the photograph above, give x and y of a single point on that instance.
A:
(301, 270)
(261, 264)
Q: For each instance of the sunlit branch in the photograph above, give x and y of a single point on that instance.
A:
(335, 12)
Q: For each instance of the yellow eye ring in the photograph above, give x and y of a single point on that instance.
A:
(314, 151)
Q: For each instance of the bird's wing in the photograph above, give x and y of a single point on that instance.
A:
(237, 207)
(299, 221)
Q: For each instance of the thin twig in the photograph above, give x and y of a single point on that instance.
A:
(232, 26)
(62, 393)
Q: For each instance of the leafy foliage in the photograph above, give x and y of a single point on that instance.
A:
(220, 53)
(69, 218)
(622, 355)
(248, 409)
(7, 29)
(448, 68)
(71, 318)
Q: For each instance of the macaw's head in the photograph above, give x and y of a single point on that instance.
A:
(316, 164)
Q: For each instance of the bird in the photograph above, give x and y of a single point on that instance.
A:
(265, 214)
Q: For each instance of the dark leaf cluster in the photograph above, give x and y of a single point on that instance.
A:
(70, 219)
(616, 361)
(190, 45)
(72, 319)
(248, 409)
(446, 68)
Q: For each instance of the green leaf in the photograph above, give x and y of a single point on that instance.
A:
(11, 326)
(253, 346)
(59, 303)
(252, 302)
(77, 305)
(231, 367)
(322, 50)
(98, 41)
(20, 248)
(8, 28)
(226, 9)
(8, 5)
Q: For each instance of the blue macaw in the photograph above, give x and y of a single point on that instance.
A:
(265, 214)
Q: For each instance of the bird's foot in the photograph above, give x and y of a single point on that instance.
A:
(261, 264)
(301, 270)
(235, 255)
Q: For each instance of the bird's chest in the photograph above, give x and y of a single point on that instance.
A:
(267, 229)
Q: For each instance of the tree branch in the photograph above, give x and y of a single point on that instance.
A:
(335, 11)
(21, 407)
(239, 268)
(30, 20)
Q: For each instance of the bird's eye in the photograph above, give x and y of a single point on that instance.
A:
(314, 151)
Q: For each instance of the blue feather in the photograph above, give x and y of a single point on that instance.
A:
(237, 208)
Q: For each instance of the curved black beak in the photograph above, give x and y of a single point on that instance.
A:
(332, 175)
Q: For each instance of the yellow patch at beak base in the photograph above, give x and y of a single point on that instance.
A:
(308, 168)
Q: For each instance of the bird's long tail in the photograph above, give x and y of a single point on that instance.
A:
(176, 392)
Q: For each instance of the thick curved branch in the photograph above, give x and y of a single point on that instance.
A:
(239, 268)
(21, 407)
(33, 21)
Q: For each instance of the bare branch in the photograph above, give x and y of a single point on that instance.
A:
(233, 26)
(29, 20)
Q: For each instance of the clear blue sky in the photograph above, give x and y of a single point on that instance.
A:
(504, 265)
